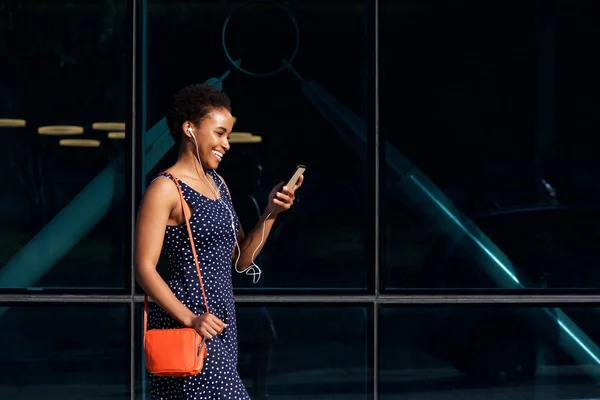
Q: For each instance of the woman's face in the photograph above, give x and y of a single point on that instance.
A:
(212, 136)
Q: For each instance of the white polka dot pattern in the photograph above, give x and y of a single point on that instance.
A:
(214, 239)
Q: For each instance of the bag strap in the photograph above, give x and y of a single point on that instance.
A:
(189, 229)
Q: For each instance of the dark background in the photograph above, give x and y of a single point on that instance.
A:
(490, 101)
(491, 106)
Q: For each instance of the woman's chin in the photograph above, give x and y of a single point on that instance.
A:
(210, 165)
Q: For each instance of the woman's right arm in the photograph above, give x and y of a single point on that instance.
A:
(159, 201)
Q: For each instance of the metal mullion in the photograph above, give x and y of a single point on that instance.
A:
(376, 350)
(134, 147)
(300, 299)
(377, 187)
(515, 299)
(64, 298)
(416, 299)
(377, 206)
(132, 347)
(304, 299)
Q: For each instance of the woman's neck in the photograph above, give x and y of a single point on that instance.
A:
(188, 164)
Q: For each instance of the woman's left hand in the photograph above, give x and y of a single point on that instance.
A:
(283, 197)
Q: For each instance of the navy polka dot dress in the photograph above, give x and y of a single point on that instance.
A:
(214, 239)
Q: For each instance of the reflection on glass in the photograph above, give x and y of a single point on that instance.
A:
(64, 352)
(487, 352)
(62, 221)
(302, 90)
(476, 192)
(298, 352)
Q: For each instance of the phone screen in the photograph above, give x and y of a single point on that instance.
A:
(294, 178)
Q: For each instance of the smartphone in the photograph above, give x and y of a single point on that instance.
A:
(294, 178)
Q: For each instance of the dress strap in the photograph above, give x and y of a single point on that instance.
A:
(177, 182)
(220, 183)
(164, 175)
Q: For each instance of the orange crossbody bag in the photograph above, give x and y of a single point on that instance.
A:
(177, 352)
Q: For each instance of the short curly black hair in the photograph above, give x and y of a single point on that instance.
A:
(192, 103)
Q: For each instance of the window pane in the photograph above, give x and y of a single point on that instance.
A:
(490, 352)
(64, 352)
(63, 220)
(313, 113)
(489, 176)
(299, 352)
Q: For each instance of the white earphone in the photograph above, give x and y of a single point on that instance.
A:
(252, 269)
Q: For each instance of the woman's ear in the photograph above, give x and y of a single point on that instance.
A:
(187, 129)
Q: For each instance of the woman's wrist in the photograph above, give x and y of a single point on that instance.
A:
(270, 213)
(187, 322)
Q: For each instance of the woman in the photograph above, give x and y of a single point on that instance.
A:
(200, 121)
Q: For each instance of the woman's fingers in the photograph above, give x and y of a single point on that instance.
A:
(299, 182)
(211, 331)
(285, 198)
(214, 325)
(210, 326)
(220, 325)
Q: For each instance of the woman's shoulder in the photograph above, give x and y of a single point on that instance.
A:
(159, 198)
(162, 185)
(164, 174)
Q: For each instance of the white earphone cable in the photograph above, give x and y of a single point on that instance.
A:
(253, 269)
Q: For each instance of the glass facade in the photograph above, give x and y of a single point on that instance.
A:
(63, 111)
(64, 351)
(487, 179)
(329, 134)
(279, 357)
(498, 352)
(442, 245)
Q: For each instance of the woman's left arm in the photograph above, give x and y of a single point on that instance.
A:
(251, 244)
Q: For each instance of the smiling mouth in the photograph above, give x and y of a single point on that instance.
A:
(218, 155)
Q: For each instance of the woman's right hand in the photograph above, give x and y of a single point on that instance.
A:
(207, 325)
